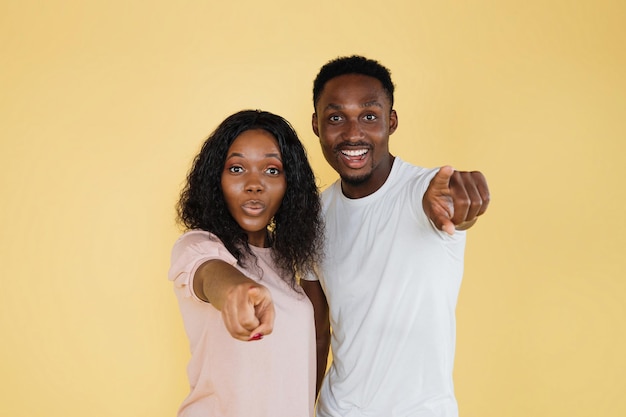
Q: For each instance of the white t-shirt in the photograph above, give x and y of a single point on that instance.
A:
(392, 281)
(272, 377)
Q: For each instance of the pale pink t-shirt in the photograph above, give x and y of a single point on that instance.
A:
(272, 377)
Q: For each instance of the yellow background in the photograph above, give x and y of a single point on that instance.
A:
(104, 104)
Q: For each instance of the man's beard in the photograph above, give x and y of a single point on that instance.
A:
(358, 179)
(355, 181)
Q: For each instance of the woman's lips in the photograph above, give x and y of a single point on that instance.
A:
(253, 207)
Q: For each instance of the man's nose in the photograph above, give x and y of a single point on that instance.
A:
(353, 130)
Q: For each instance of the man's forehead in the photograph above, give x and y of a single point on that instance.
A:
(367, 104)
(369, 89)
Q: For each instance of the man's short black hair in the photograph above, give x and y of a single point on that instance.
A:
(354, 64)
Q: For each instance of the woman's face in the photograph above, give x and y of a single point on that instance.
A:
(253, 182)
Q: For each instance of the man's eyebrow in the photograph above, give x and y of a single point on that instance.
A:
(373, 103)
(332, 106)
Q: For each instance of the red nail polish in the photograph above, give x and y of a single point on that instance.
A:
(257, 336)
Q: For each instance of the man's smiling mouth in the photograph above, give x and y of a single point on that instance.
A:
(354, 154)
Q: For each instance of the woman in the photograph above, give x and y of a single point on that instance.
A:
(252, 216)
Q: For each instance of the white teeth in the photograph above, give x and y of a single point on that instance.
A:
(359, 152)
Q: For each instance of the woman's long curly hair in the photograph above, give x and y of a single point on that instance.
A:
(296, 233)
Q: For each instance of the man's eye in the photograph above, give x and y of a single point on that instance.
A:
(335, 118)
(370, 117)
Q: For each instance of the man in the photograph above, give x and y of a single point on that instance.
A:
(394, 255)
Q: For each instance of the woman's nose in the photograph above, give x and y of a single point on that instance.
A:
(254, 184)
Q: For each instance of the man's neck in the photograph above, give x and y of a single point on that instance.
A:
(372, 184)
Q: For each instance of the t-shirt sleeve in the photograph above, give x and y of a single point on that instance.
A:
(311, 275)
(190, 251)
(421, 184)
(417, 188)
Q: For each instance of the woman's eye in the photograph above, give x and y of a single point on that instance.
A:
(235, 169)
(273, 171)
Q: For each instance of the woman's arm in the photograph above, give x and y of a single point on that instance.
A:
(246, 306)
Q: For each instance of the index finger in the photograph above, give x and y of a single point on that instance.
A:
(261, 301)
(266, 325)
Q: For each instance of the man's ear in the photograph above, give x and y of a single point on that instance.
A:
(314, 125)
(393, 121)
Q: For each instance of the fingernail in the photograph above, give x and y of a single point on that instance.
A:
(257, 336)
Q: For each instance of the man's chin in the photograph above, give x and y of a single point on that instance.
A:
(355, 180)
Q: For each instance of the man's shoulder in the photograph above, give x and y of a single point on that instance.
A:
(406, 172)
(405, 166)
(331, 189)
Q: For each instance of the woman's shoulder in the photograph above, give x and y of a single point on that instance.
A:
(201, 243)
(197, 236)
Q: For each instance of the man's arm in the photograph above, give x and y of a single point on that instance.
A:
(455, 199)
(313, 290)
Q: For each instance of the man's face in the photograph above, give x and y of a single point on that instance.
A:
(353, 120)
